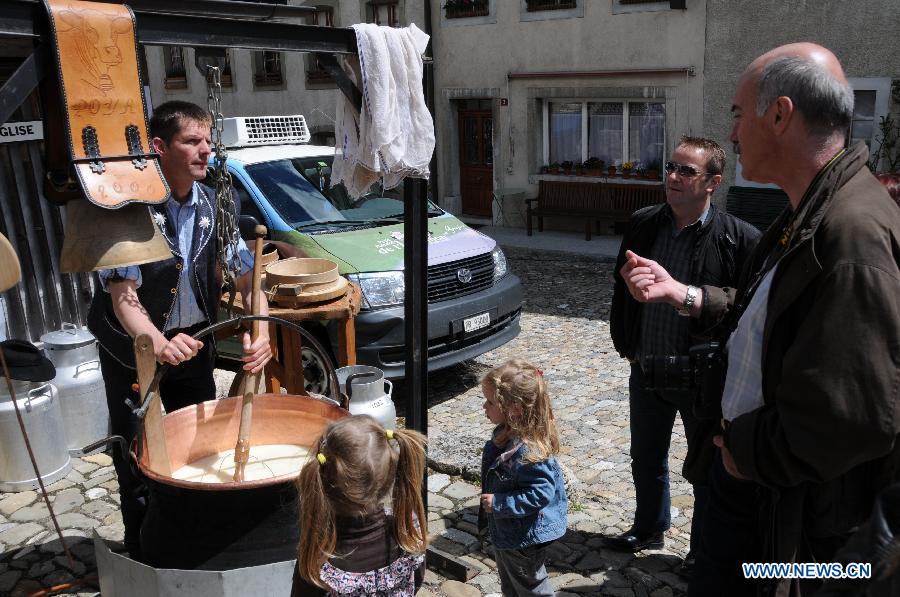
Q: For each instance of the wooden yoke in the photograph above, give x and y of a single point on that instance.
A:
(145, 361)
(103, 103)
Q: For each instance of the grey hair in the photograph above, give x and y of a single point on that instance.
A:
(825, 103)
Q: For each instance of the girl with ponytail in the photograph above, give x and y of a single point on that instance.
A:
(350, 543)
(524, 502)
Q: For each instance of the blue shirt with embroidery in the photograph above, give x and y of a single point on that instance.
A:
(186, 310)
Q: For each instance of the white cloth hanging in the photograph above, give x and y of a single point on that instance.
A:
(392, 137)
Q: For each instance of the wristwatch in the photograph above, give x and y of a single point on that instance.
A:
(690, 298)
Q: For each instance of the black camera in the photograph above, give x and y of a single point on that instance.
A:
(702, 370)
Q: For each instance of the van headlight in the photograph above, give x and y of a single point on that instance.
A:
(380, 289)
(500, 266)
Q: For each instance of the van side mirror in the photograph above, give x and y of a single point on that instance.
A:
(247, 226)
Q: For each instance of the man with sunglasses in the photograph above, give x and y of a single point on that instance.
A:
(704, 245)
(810, 405)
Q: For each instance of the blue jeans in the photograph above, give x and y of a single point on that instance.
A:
(652, 417)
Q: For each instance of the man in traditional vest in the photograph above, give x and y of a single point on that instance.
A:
(170, 300)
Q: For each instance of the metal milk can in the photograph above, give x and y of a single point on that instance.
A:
(364, 386)
(41, 413)
(82, 393)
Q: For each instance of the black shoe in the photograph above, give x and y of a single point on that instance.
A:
(633, 541)
(687, 566)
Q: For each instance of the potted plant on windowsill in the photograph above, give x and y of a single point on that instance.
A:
(627, 167)
(593, 167)
(553, 168)
(567, 167)
(653, 171)
(611, 171)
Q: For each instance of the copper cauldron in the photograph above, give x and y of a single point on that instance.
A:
(221, 526)
(197, 431)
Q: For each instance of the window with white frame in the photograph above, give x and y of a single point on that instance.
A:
(539, 5)
(268, 69)
(315, 72)
(613, 131)
(871, 99)
(227, 79)
(176, 74)
(383, 12)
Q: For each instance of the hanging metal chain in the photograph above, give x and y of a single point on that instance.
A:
(228, 234)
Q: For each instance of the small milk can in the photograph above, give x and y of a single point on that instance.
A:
(38, 404)
(82, 393)
(364, 386)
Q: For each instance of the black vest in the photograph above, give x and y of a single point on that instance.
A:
(160, 281)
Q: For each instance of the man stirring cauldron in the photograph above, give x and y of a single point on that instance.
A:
(170, 300)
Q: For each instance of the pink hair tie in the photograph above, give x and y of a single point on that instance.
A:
(539, 372)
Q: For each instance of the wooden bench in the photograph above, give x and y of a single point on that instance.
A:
(590, 201)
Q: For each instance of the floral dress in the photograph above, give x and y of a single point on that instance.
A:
(394, 580)
(373, 565)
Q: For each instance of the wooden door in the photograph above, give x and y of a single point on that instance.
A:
(476, 162)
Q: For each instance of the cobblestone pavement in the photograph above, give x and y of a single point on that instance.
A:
(565, 331)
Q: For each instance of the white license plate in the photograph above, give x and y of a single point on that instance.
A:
(477, 322)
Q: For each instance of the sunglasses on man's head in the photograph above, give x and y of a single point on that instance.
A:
(682, 169)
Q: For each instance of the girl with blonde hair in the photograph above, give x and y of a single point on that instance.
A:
(350, 544)
(524, 502)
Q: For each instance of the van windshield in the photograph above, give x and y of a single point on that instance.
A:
(299, 190)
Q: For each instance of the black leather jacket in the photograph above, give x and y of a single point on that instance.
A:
(722, 246)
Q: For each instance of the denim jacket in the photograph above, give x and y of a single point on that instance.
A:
(530, 501)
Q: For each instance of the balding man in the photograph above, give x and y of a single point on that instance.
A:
(810, 408)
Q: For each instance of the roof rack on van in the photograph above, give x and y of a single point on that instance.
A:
(246, 131)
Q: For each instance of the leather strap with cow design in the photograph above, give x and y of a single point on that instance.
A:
(104, 104)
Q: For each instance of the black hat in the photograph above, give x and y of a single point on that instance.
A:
(26, 362)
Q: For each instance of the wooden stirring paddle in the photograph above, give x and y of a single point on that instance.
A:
(251, 381)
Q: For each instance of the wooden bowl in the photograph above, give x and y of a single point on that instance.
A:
(301, 270)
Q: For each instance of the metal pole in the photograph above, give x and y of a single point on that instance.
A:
(415, 258)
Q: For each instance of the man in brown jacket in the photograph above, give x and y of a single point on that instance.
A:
(810, 408)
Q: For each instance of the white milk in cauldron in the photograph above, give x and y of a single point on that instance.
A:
(266, 462)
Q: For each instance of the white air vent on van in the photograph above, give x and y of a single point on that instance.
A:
(264, 130)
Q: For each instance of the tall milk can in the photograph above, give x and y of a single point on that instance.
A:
(82, 394)
(365, 388)
(38, 404)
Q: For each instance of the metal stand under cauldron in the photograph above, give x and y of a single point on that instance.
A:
(120, 575)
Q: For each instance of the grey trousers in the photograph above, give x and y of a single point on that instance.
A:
(522, 571)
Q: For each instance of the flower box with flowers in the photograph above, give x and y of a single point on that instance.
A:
(460, 9)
